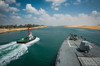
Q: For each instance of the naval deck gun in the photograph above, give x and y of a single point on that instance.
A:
(73, 37)
(84, 46)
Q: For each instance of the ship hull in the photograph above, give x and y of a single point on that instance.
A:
(70, 54)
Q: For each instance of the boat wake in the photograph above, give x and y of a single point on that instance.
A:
(13, 51)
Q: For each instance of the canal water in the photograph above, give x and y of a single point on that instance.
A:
(41, 52)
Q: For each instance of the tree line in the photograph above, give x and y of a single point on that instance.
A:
(18, 26)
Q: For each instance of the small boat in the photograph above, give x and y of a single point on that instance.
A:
(28, 38)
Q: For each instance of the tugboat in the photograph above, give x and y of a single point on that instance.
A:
(27, 38)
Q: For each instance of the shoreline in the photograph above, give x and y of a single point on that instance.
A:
(86, 27)
(19, 29)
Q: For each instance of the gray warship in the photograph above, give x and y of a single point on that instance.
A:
(77, 51)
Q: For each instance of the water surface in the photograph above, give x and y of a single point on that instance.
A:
(43, 52)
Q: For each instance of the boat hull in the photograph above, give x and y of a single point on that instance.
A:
(24, 42)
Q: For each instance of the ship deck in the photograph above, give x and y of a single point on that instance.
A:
(69, 54)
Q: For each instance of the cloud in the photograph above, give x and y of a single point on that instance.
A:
(28, 16)
(66, 4)
(56, 3)
(31, 9)
(18, 4)
(67, 19)
(7, 13)
(63, 19)
(77, 2)
(13, 9)
(3, 6)
(56, 9)
(42, 12)
(15, 17)
(1, 15)
(95, 12)
(42, 17)
(10, 1)
(14, 13)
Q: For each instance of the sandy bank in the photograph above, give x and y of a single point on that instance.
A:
(19, 29)
(87, 27)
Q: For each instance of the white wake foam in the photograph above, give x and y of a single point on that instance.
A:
(14, 54)
(32, 42)
(6, 45)
(13, 51)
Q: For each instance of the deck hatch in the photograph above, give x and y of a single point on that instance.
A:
(97, 60)
(88, 61)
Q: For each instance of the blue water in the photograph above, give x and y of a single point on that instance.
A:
(43, 52)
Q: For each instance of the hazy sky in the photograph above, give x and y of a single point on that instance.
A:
(50, 12)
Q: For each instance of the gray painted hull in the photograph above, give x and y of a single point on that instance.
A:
(69, 55)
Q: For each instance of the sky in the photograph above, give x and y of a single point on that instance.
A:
(50, 12)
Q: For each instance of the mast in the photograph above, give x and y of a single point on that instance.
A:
(28, 31)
